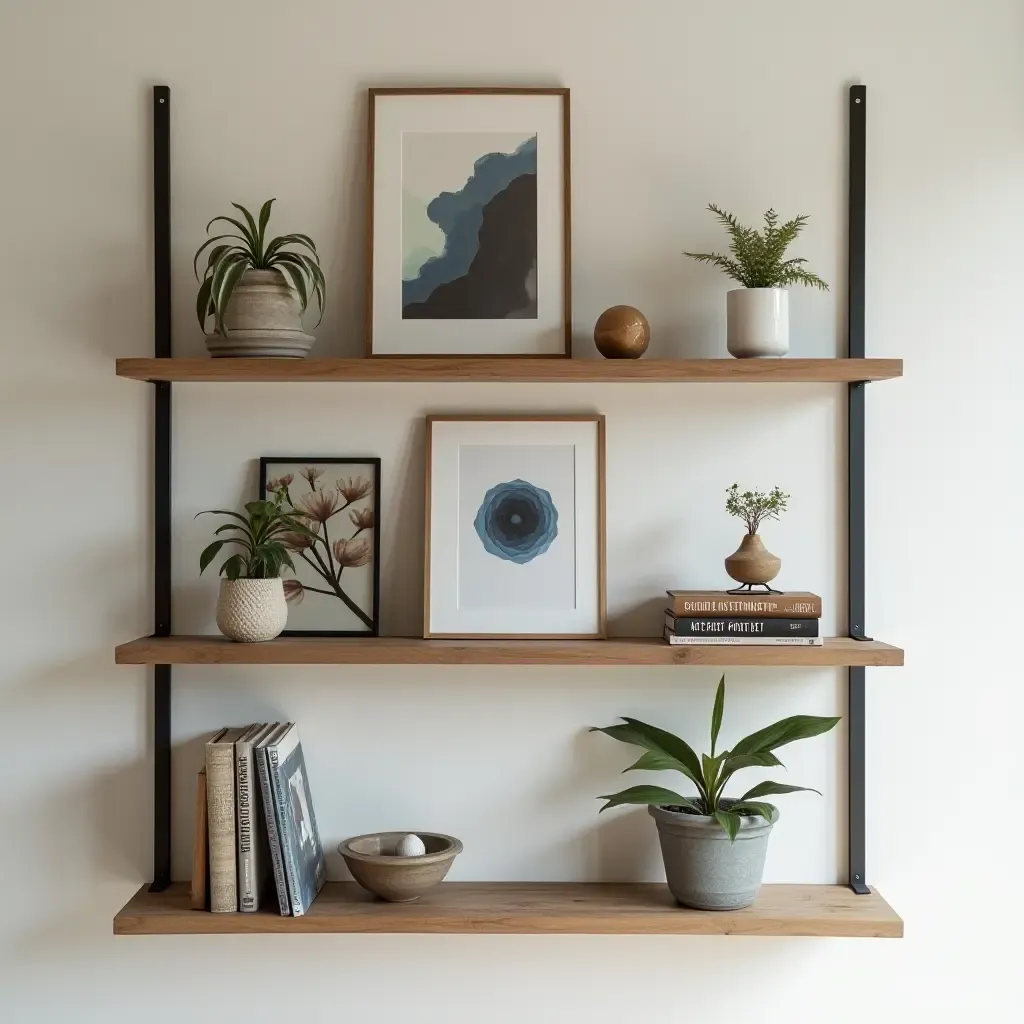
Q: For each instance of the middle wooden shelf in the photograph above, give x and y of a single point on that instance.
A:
(393, 650)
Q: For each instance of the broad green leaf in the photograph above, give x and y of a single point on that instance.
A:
(233, 567)
(709, 767)
(799, 727)
(733, 763)
(655, 761)
(209, 554)
(753, 807)
(773, 789)
(231, 526)
(651, 738)
(730, 822)
(221, 512)
(657, 795)
(716, 714)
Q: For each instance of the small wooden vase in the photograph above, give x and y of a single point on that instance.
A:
(752, 563)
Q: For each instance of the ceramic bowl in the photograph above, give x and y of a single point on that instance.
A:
(372, 861)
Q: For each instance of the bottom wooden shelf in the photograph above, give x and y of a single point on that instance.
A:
(530, 907)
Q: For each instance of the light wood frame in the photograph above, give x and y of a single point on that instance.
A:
(602, 585)
(566, 209)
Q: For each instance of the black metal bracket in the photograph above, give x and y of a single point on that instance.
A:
(855, 493)
(162, 486)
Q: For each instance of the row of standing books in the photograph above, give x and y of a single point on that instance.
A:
(718, 618)
(256, 833)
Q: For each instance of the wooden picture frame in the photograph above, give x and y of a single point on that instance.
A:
(391, 328)
(369, 617)
(435, 625)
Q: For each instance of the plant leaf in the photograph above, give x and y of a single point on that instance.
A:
(249, 239)
(733, 763)
(716, 714)
(651, 738)
(297, 279)
(203, 303)
(729, 821)
(253, 230)
(798, 727)
(654, 761)
(774, 789)
(264, 217)
(222, 294)
(646, 795)
(754, 807)
(210, 241)
(209, 554)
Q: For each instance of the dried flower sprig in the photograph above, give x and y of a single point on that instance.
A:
(754, 507)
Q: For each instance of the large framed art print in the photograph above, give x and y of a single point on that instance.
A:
(515, 527)
(469, 222)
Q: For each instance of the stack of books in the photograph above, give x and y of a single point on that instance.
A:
(255, 830)
(765, 620)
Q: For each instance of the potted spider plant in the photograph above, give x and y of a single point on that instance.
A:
(713, 846)
(757, 314)
(257, 289)
(251, 606)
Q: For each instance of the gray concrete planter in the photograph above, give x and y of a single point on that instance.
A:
(263, 318)
(706, 871)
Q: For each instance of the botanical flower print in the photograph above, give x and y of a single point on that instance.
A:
(330, 554)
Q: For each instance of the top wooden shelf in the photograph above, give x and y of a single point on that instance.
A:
(535, 371)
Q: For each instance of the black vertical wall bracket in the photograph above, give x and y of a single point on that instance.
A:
(162, 486)
(857, 121)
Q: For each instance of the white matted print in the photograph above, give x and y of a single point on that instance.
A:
(470, 222)
(515, 527)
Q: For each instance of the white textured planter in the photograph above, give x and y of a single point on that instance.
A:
(758, 322)
(251, 610)
(263, 318)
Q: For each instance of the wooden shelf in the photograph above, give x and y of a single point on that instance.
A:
(534, 371)
(216, 650)
(529, 908)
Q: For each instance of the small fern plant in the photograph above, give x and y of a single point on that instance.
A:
(757, 259)
(249, 249)
(710, 772)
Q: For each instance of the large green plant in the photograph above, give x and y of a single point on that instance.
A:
(663, 751)
(757, 259)
(250, 250)
(260, 534)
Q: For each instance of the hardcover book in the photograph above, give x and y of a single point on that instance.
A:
(743, 641)
(299, 837)
(220, 809)
(739, 626)
(253, 851)
(273, 731)
(792, 605)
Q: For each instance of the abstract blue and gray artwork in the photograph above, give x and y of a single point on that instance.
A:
(470, 253)
(517, 521)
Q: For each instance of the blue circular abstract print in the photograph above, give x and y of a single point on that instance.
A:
(517, 521)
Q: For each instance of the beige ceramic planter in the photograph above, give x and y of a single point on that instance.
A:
(263, 318)
(250, 611)
(752, 562)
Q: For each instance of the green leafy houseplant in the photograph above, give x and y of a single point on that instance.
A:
(260, 534)
(757, 259)
(249, 249)
(664, 751)
(754, 507)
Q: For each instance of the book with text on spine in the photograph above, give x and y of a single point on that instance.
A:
(253, 851)
(680, 626)
(270, 816)
(791, 605)
(220, 810)
(743, 641)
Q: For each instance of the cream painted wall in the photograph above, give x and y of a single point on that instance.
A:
(674, 104)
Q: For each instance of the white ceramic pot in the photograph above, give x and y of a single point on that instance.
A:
(263, 318)
(758, 322)
(251, 610)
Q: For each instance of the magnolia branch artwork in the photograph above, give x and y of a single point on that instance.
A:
(334, 588)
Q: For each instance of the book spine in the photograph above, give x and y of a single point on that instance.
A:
(784, 606)
(291, 868)
(199, 865)
(743, 641)
(248, 876)
(741, 627)
(220, 807)
(280, 882)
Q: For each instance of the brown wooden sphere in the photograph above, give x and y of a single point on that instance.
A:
(622, 332)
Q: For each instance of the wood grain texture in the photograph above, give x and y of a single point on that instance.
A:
(390, 650)
(569, 908)
(428, 369)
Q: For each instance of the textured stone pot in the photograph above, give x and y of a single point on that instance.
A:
(704, 870)
(263, 318)
(376, 867)
(752, 562)
(251, 610)
(758, 322)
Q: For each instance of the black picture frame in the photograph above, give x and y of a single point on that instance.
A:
(267, 461)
